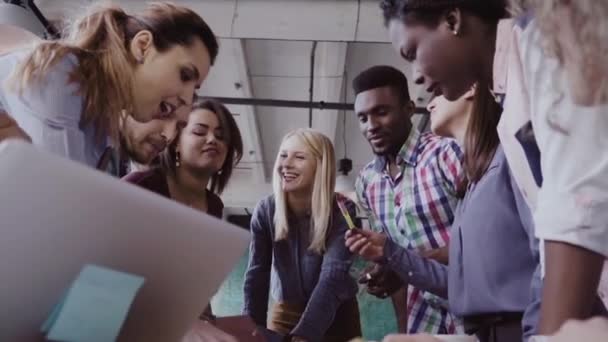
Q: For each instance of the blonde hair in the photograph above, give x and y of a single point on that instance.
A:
(323, 195)
(100, 42)
(589, 18)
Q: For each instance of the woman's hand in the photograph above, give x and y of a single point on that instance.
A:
(203, 331)
(10, 129)
(366, 243)
(410, 338)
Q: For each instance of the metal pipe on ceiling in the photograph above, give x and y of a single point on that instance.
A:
(294, 104)
(312, 80)
(52, 32)
(26, 15)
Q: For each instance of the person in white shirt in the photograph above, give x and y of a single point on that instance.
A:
(567, 84)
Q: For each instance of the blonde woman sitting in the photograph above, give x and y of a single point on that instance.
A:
(298, 236)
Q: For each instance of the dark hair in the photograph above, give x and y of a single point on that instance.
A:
(382, 76)
(481, 139)
(430, 11)
(232, 138)
(173, 25)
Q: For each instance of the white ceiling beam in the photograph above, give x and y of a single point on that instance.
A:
(230, 77)
(330, 61)
(296, 19)
(16, 16)
(255, 153)
(320, 20)
(326, 20)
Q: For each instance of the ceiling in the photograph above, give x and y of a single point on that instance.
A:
(265, 52)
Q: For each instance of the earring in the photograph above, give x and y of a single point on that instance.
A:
(140, 60)
(177, 159)
(455, 32)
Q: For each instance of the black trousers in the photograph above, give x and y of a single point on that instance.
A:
(499, 327)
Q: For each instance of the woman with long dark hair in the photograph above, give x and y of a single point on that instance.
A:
(196, 167)
(194, 170)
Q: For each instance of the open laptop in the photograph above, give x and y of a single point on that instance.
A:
(57, 215)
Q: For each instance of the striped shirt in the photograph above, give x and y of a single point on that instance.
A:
(416, 210)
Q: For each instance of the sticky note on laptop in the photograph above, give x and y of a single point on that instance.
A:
(95, 307)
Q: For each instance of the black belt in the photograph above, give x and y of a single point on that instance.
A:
(475, 323)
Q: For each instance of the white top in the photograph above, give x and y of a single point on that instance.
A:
(572, 204)
(50, 110)
(509, 78)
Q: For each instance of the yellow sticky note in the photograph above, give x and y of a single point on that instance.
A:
(349, 220)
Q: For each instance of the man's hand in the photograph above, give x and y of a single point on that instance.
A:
(593, 330)
(367, 244)
(381, 281)
(411, 338)
(203, 331)
(10, 129)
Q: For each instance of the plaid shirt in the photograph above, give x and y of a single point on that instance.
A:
(416, 211)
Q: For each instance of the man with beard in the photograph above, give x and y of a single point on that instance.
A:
(141, 142)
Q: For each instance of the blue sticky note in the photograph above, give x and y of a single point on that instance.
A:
(95, 307)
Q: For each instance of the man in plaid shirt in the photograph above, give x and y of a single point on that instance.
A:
(408, 191)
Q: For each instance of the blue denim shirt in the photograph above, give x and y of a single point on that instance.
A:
(300, 276)
(49, 110)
